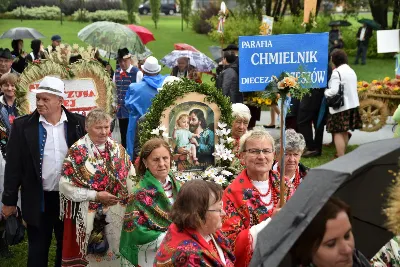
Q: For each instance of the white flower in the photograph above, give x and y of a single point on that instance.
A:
(226, 173)
(165, 135)
(220, 179)
(230, 140)
(75, 46)
(210, 172)
(228, 155)
(162, 128)
(155, 131)
(218, 132)
(222, 141)
(225, 131)
(222, 125)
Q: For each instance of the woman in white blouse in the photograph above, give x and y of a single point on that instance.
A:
(346, 117)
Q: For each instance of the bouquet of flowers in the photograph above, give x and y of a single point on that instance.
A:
(283, 85)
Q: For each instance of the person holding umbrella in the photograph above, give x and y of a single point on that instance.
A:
(253, 196)
(363, 35)
(123, 77)
(18, 54)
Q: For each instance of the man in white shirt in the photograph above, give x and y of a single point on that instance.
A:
(37, 147)
(363, 35)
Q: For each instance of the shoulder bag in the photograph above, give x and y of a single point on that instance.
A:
(337, 101)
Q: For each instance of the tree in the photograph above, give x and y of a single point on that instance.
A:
(131, 7)
(396, 11)
(4, 4)
(186, 9)
(61, 4)
(155, 6)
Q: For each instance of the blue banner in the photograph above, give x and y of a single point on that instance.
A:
(304, 56)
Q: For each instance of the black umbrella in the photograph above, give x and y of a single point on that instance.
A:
(22, 33)
(343, 23)
(360, 178)
(371, 23)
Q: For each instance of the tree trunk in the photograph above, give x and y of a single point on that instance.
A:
(318, 7)
(284, 8)
(294, 7)
(379, 10)
(259, 9)
(268, 7)
(278, 5)
(396, 11)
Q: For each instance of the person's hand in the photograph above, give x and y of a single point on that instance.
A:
(182, 150)
(106, 198)
(276, 210)
(7, 211)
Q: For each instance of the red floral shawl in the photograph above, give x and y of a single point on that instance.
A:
(244, 208)
(188, 249)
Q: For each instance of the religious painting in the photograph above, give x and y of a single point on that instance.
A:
(191, 125)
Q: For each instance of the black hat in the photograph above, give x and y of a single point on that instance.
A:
(231, 47)
(5, 53)
(56, 38)
(123, 53)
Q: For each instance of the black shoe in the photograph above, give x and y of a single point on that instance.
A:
(311, 153)
(269, 126)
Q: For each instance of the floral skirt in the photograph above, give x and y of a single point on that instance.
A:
(344, 121)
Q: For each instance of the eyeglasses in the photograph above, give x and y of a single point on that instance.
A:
(256, 151)
(220, 211)
(295, 155)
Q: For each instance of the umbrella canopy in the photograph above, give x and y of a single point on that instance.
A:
(197, 59)
(183, 46)
(140, 56)
(343, 23)
(360, 178)
(22, 33)
(111, 36)
(144, 34)
(371, 23)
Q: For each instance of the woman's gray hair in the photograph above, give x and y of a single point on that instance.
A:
(97, 115)
(240, 110)
(294, 142)
(258, 133)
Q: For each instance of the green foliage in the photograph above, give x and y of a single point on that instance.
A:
(155, 15)
(186, 10)
(199, 20)
(39, 13)
(173, 91)
(234, 27)
(131, 6)
(4, 4)
(119, 16)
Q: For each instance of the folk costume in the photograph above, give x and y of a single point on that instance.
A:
(188, 248)
(146, 220)
(389, 255)
(89, 169)
(298, 176)
(249, 205)
(122, 80)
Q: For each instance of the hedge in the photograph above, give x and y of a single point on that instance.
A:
(119, 16)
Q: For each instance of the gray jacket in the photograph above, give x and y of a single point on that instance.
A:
(230, 84)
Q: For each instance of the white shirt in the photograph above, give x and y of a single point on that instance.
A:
(139, 76)
(55, 150)
(121, 71)
(362, 33)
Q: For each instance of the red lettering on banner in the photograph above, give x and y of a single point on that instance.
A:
(70, 103)
(70, 94)
(77, 94)
(91, 94)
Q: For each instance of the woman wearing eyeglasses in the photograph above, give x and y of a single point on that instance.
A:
(253, 197)
(194, 238)
(294, 170)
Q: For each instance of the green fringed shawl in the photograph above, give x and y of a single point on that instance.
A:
(146, 216)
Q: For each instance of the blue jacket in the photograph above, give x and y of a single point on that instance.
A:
(138, 101)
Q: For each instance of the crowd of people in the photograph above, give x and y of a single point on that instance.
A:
(74, 181)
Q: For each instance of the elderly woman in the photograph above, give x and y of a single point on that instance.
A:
(94, 190)
(346, 117)
(241, 118)
(194, 238)
(294, 170)
(146, 219)
(328, 240)
(253, 196)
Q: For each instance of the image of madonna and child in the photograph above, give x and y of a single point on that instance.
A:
(184, 138)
